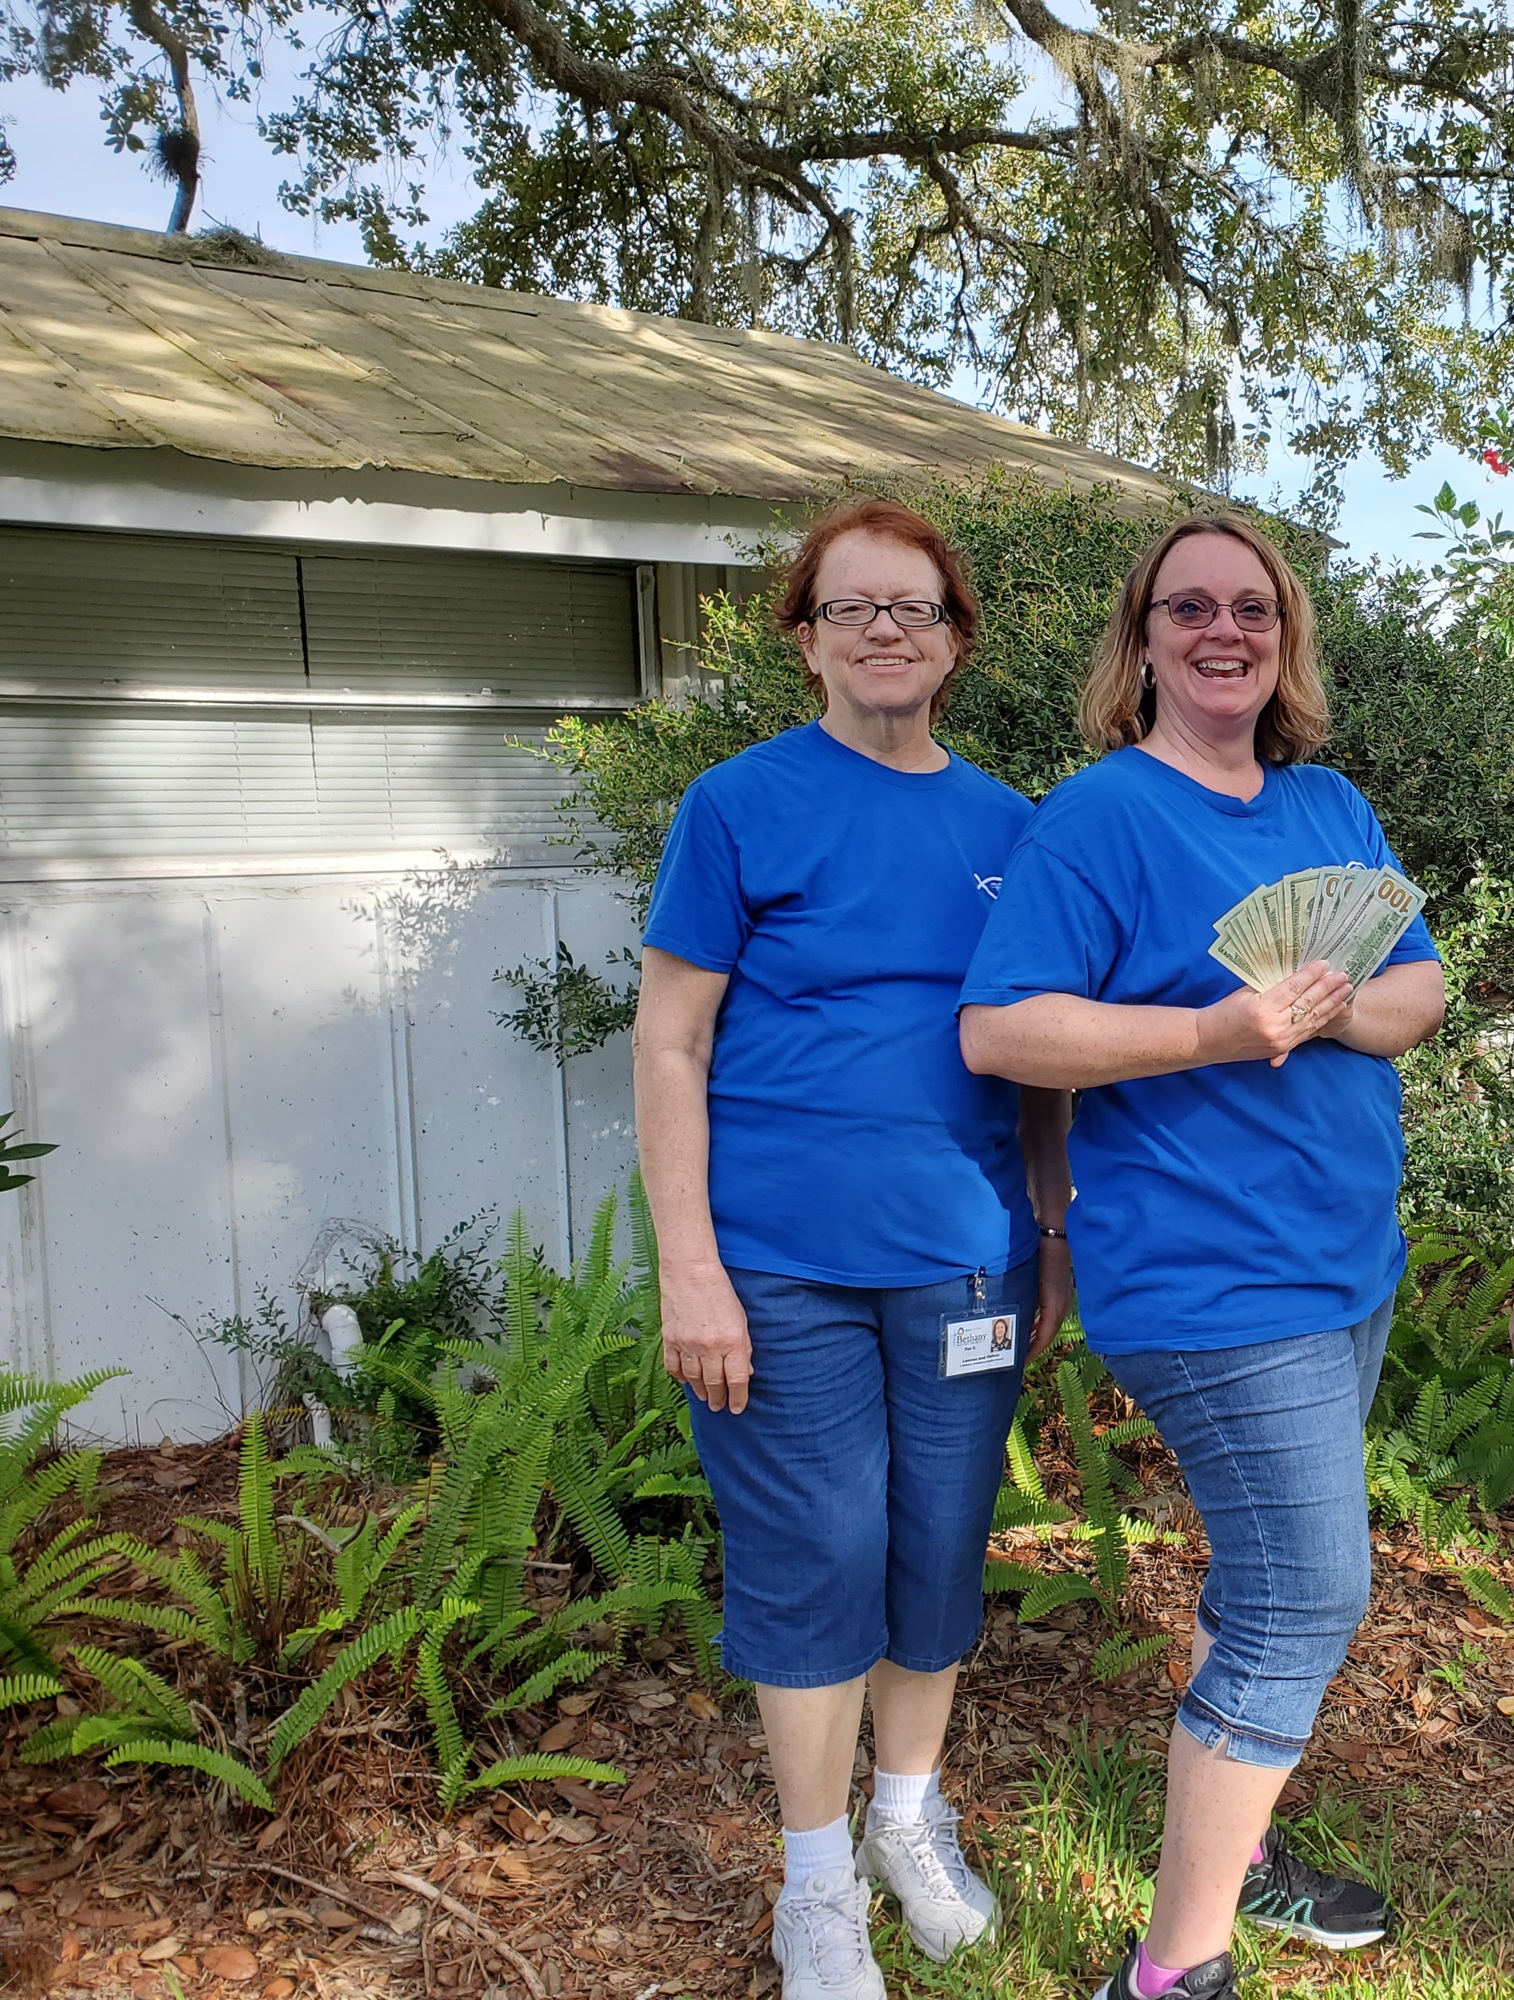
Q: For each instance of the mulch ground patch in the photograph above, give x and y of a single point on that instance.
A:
(132, 1883)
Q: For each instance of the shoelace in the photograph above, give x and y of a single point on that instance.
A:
(1295, 1877)
(836, 1925)
(935, 1850)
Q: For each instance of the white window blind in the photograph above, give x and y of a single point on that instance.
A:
(87, 607)
(163, 696)
(470, 623)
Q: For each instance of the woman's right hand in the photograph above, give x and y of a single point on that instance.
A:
(1264, 1027)
(704, 1336)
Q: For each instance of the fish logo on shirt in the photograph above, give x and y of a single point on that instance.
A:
(989, 884)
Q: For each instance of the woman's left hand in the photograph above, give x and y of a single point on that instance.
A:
(1053, 1295)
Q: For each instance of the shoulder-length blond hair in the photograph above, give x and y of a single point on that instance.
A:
(1116, 707)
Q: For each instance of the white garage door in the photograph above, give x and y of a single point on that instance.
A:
(236, 989)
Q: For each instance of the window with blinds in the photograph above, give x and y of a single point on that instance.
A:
(187, 698)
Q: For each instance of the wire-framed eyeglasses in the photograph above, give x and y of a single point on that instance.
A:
(907, 612)
(1194, 609)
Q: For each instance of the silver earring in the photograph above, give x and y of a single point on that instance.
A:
(1148, 678)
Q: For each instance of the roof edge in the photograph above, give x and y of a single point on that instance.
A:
(218, 250)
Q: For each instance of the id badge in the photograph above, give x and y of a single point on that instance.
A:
(977, 1346)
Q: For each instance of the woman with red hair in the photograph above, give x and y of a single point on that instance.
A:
(857, 1252)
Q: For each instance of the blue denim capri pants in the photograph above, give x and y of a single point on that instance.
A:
(856, 1489)
(1269, 1439)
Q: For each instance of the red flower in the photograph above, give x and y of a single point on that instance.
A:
(1495, 461)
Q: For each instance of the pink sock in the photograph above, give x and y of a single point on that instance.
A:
(1152, 1979)
(1260, 1855)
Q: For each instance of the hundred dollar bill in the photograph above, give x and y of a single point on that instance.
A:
(1378, 919)
(1349, 916)
(1342, 893)
(1326, 902)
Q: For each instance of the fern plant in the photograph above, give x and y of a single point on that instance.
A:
(390, 1639)
(1485, 1589)
(1449, 1317)
(234, 1601)
(560, 1430)
(363, 1561)
(567, 1426)
(1023, 1502)
(555, 1431)
(1444, 1415)
(40, 1578)
(139, 1718)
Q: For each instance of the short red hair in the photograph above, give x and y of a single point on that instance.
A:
(894, 522)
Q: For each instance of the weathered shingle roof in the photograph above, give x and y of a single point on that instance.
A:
(121, 337)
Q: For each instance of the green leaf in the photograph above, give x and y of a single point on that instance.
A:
(1022, 1465)
(137, 1689)
(1481, 1585)
(169, 1619)
(49, 1743)
(265, 1561)
(576, 1665)
(1050, 1593)
(1119, 1653)
(998, 1576)
(668, 1486)
(390, 1635)
(529, 1769)
(20, 1644)
(452, 1751)
(21, 1690)
(225, 1770)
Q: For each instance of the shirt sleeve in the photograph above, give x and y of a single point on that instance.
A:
(698, 911)
(1416, 945)
(1049, 932)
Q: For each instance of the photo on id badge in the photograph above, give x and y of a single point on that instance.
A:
(972, 1346)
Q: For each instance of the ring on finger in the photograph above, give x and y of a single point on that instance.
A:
(1299, 1011)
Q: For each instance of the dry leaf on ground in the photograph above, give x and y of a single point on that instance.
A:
(230, 1961)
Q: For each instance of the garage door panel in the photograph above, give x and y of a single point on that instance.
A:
(133, 1206)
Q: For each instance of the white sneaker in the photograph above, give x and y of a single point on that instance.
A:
(944, 1903)
(821, 1943)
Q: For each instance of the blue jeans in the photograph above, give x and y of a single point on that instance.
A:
(856, 1489)
(1269, 1440)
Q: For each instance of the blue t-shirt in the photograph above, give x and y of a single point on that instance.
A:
(1230, 1204)
(849, 1142)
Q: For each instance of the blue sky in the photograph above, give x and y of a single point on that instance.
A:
(65, 168)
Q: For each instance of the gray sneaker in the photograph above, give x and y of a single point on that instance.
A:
(820, 1940)
(944, 1903)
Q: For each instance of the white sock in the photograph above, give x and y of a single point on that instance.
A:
(821, 1850)
(901, 1797)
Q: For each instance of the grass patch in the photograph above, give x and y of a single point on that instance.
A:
(1074, 1851)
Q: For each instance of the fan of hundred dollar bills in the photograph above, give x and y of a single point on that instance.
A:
(1351, 917)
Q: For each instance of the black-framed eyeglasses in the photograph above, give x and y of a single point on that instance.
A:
(907, 612)
(1194, 609)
